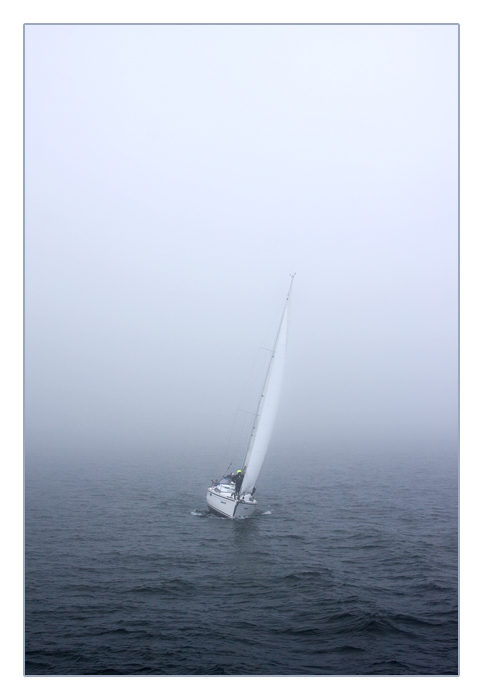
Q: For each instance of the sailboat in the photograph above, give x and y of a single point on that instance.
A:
(233, 496)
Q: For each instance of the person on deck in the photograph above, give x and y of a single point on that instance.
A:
(238, 481)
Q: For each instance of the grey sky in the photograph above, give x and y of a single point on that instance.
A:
(176, 175)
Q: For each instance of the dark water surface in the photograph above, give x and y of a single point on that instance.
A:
(349, 567)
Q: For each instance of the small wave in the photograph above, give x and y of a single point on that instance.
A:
(267, 512)
(198, 513)
(116, 630)
(301, 575)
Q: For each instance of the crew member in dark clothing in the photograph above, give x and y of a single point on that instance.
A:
(238, 481)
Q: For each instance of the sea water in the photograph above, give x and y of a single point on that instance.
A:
(349, 567)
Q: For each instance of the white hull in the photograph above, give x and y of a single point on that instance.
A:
(224, 503)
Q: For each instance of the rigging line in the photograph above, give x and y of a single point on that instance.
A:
(253, 379)
(262, 397)
(239, 438)
(241, 435)
(229, 440)
(256, 379)
(272, 328)
(253, 376)
(268, 333)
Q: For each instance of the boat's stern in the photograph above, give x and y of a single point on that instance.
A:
(222, 501)
(246, 506)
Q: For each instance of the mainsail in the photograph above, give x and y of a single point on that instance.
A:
(267, 406)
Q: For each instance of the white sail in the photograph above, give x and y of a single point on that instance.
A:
(267, 407)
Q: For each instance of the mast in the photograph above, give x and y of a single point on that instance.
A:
(267, 405)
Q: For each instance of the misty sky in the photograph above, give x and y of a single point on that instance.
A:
(176, 176)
